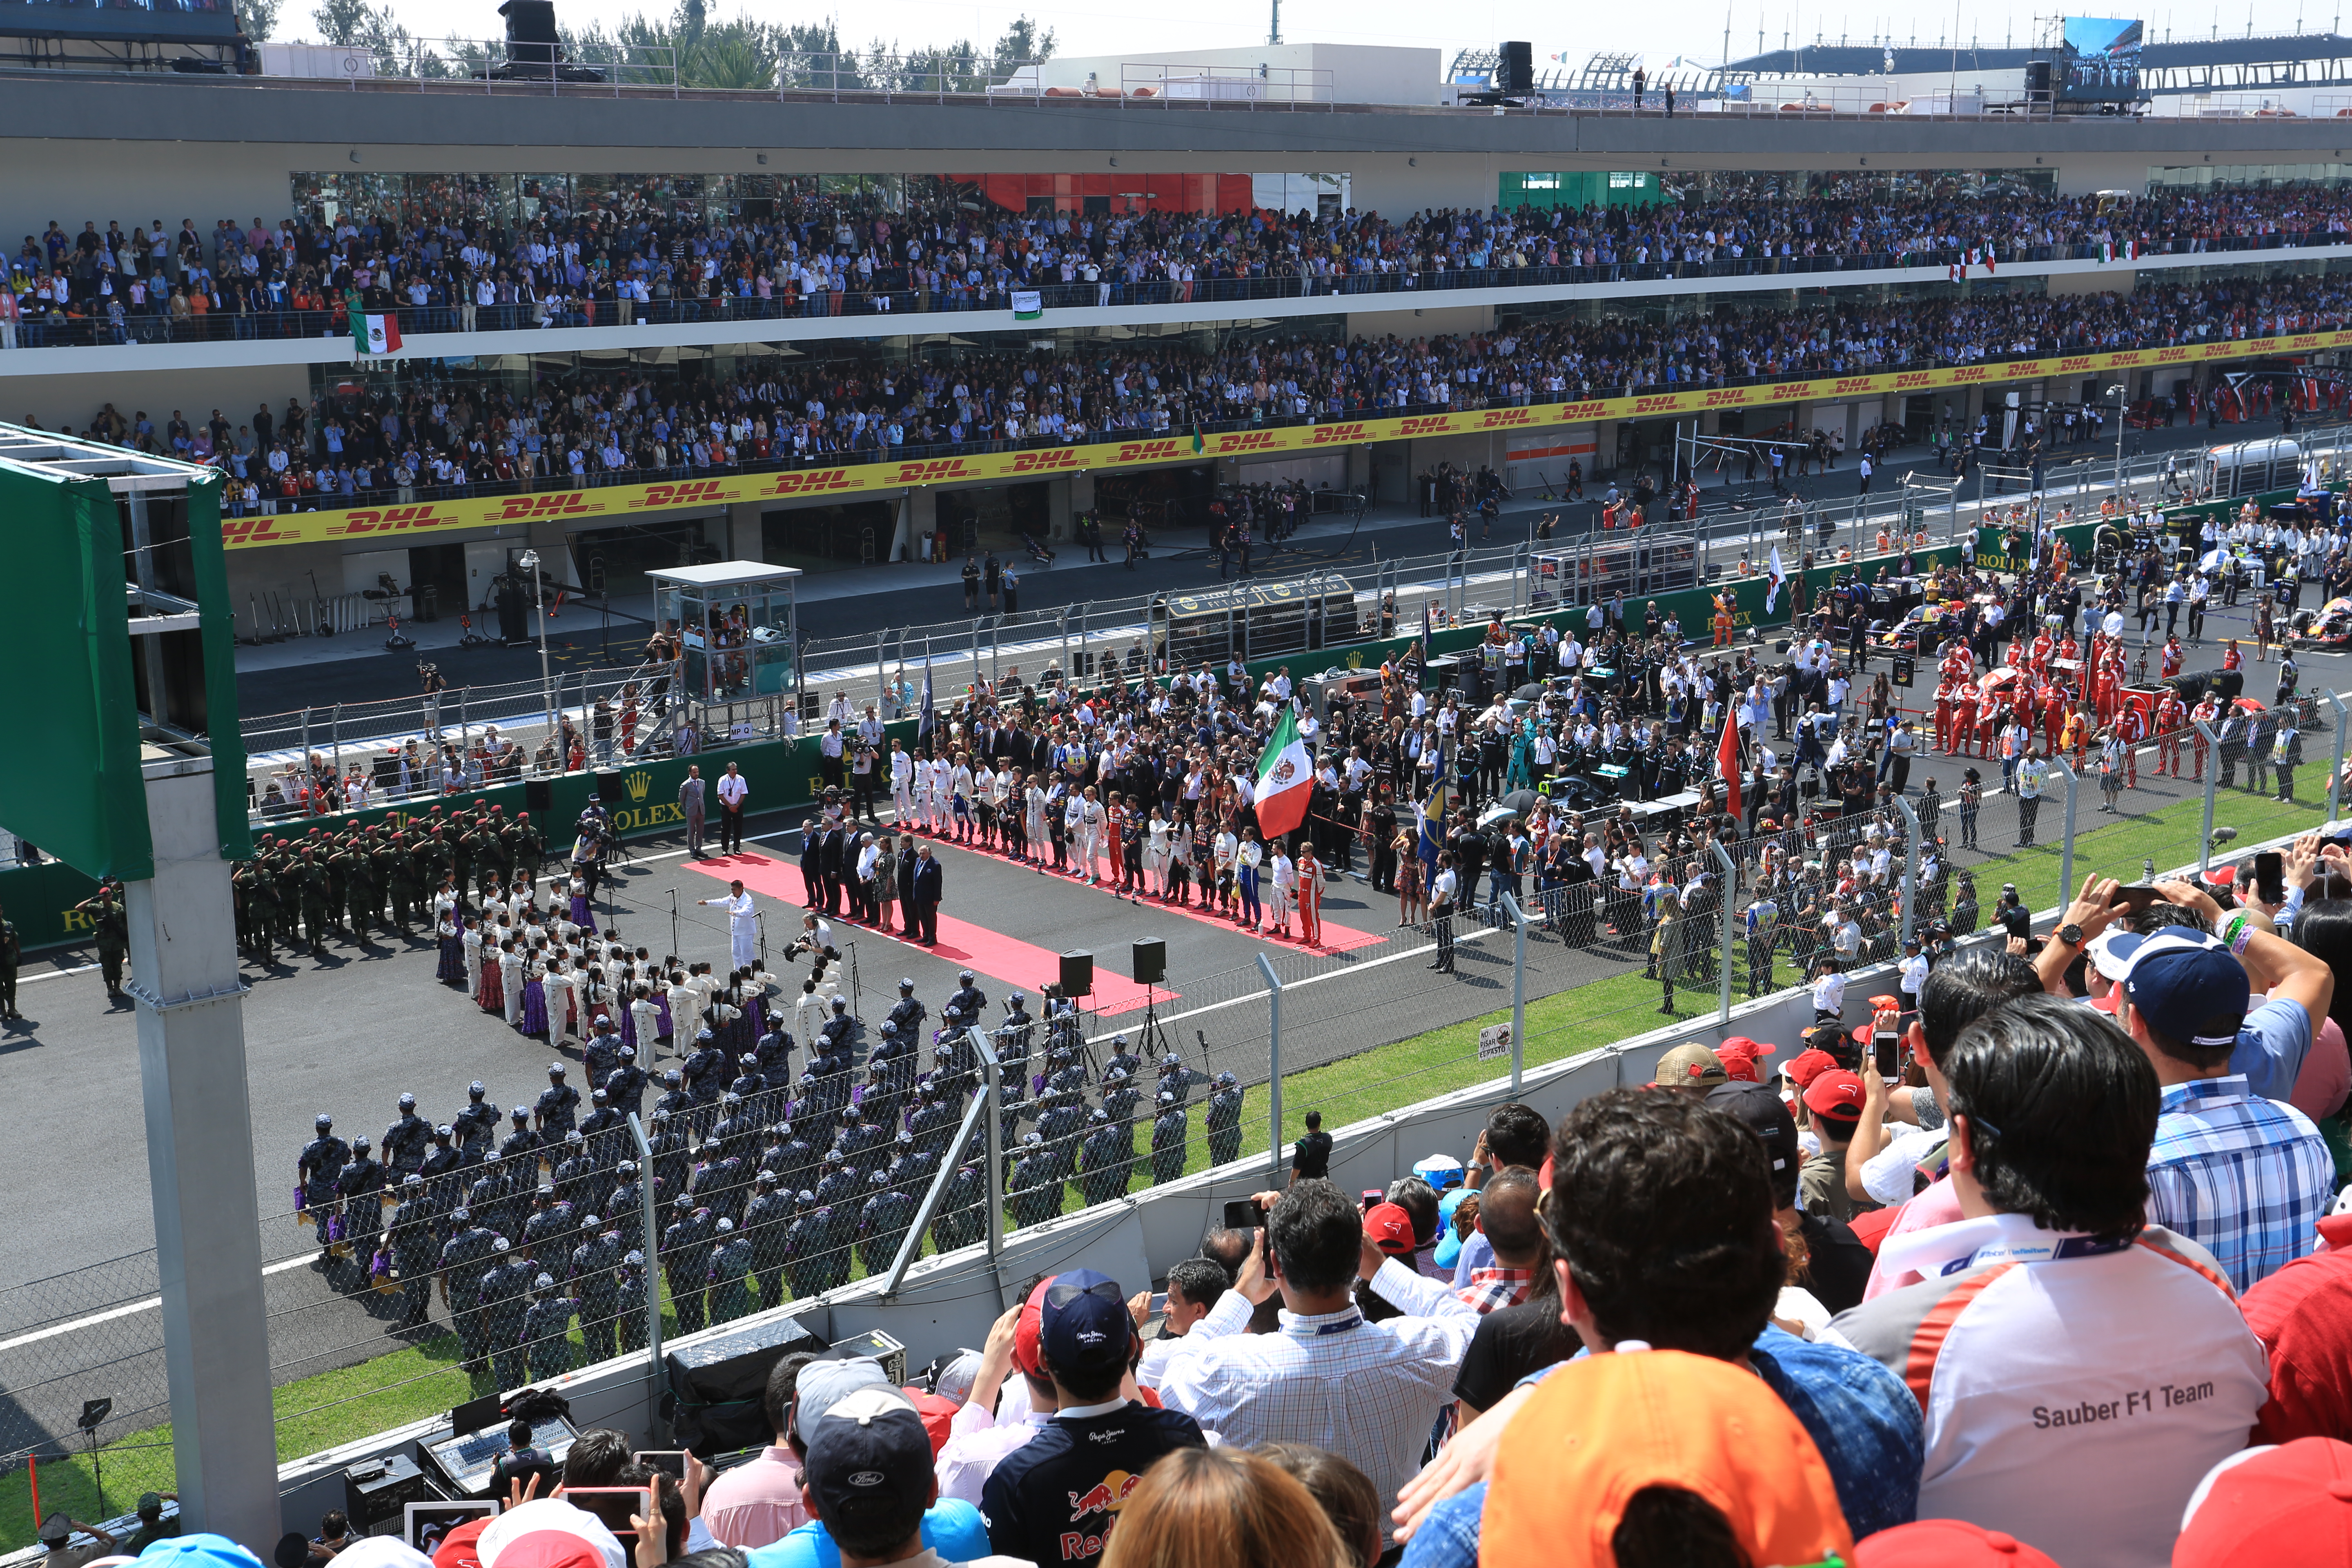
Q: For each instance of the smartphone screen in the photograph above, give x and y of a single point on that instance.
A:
(671, 1462)
(425, 1523)
(1884, 1046)
(2270, 877)
(1240, 1214)
(1373, 1199)
(2134, 900)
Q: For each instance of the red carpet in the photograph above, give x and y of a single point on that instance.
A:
(1020, 965)
(1335, 938)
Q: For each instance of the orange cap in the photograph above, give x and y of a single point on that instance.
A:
(1600, 1429)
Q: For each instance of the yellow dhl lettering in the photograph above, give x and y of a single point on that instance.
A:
(1725, 396)
(563, 503)
(1147, 451)
(1034, 462)
(1972, 372)
(813, 482)
(1591, 408)
(1328, 435)
(693, 493)
(2308, 341)
(394, 519)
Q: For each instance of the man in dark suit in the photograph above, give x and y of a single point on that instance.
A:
(834, 849)
(929, 886)
(811, 866)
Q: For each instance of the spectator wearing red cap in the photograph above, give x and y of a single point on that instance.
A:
(1740, 1056)
(2271, 1506)
(977, 1441)
(2303, 1316)
(1832, 1103)
(1947, 1544)
(2079, 1370)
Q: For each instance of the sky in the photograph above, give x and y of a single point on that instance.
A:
(1661, 29)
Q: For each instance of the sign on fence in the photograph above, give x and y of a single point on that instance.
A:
(1494, 1042)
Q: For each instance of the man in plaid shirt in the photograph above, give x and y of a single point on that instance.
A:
(2246, 1178)
(1506, 1214)
(1367, 1391)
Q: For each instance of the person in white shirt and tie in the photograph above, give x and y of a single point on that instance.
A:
(733, 787)
(742, 918)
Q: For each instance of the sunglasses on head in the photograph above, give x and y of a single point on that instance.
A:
(1058, 1295)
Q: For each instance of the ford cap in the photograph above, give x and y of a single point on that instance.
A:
(869, 1459)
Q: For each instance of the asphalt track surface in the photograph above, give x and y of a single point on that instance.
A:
(348, 1033)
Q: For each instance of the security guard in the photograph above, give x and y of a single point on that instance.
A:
(1224, 1121)
(547, 1328)
(410, 1242)
(686, 1260)
(317, 1171)
(1167, 1130)
(729, 1273)
(883, 1223)
(406, 1140)
(594, 1280)
(462, 1258)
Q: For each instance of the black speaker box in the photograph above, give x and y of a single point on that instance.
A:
(1150, 962)
(717, 1385)
(1078, 974)
(611, 791)
(538, 795)
(1515, 71)
(375, 1491)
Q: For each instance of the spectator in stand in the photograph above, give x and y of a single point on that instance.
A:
(1828, 1264)
(1661, 1214)
(1343, 1492)
(2287, 1504)
(977, 1438)
(2080, 1368)
(759, 1503)
(869, 1483)
(1516, 1135)
(58, 1531)
(1195, 1287)
(1221, 1508)
(1310, 1157)
(1055, 1498)
(1367, 1391)
(1515, 1236)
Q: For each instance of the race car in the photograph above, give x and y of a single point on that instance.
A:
(1922, 629)
(2330, 626)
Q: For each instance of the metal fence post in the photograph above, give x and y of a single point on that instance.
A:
(1911, 859)
(1519, 989)
(1723, 910)
(992, 1089)
(912, 1245)
(2335, 771)
(653, 1265)
(335, 740)
(2066, 846)
(2212, 783)
(1274, 1069)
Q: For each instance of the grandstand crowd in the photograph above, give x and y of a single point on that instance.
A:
(437, 436)
(646, 253)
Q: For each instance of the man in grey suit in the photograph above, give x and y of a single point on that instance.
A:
(689, 801)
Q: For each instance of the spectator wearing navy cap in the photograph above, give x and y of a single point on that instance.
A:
(868, 1481)
(1054, 1498)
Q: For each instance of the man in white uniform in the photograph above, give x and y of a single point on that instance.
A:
(742, 922)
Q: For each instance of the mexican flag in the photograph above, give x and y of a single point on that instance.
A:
(376, 335)
(1027, 306)
(1285, 779)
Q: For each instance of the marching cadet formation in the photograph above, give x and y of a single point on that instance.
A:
(769, 1184)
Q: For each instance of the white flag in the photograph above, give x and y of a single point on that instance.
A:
(1776, 575)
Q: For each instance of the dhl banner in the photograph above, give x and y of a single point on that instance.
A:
(394, 524)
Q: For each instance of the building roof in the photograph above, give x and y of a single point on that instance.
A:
(2181, 54)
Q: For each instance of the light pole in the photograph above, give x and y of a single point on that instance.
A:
(530, 562)
(2116, 392)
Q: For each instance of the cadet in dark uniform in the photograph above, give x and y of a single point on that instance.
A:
(414, 1249)
(1173, 1078)
(406, 1141)
(547, 1328)
(464, 1257)
(1167, 1130)
(522, 1144)
(110, 927)
(595, 1279)
(12, 954)
(729, 1273)
(625, 1086)
(477, 1126)
(360, 1187)
(1119, 1096)
(908, 1013)
(1109, 1156)
(675, 1101)
(550, 1227)
(1224, 1121)
(794, 1162)
(805, 1244)
(504, 1307)
(316, 1172)
(672, 1157)
(633, 1291)
(1035, 1192)
(883, 1223)
(767, 1218)
(960, 1221)
(685, 1261)
(559, 1103)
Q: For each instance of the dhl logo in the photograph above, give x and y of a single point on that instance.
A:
(2080, 362)
(932, 473)
(1855, 384)
(2308, 341)
(2262, 345)
(2168, 356)
(1426, 425)
(1592, 408)
(1665, 403)
(1332, 435)
(1727, 397)
(1972, 372)
(815, 481)
(1791, 391)
(563, 503)
(242, 531)
(1911, 378)
(1046, 461)
(1148, 451)
(2022, 369)
(1503, 419)
(695, 493)
(1249, 441)
(394, 519)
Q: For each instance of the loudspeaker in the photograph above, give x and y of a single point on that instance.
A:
(377, 1490)
(1515, 71)
(1078, 974)
(610, 790)
(531, 31)
(2037, 81)
(717, 1386)
(1150, 961)
(538, 795)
